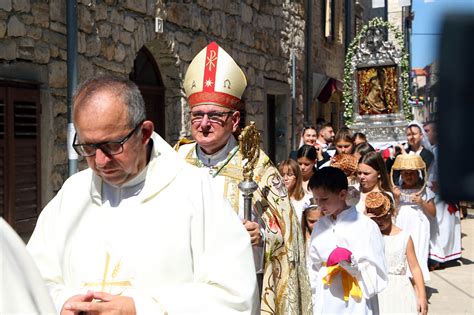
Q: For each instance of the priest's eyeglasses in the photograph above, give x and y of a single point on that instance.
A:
(109, 148)
(214, 116)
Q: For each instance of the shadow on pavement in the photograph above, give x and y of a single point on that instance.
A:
(430, 291)
(466, 261)
(452, 263)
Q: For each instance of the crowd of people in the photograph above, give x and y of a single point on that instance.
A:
(151, 229)
(398, 189)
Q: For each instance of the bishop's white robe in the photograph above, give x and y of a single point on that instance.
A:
(211, 163)
(359, 234)
(285, 288)
(179, 250)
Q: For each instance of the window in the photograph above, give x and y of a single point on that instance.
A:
(20, 192)
(328, 20)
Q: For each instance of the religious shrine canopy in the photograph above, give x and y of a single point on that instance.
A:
(376, 91)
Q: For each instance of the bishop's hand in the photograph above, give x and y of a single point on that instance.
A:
(81, 298)
(254, 231)
(104, 303)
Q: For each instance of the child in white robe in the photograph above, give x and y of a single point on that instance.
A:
(346, 251)
(416, 206)
(399, 297)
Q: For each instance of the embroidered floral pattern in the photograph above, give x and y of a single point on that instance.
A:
(286, 288)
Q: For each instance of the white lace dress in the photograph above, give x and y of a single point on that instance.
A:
(300, 205)
(399, 297)
(414, 221)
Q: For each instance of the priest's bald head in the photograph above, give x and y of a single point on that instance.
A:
(112, 132)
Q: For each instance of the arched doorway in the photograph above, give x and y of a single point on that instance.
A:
(146, 75)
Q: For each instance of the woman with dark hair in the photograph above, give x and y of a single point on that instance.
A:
(343, 143)
(362, 149)
(417, 144)
(359, 137)
(307, 159)
(309, 136)
(372, 176)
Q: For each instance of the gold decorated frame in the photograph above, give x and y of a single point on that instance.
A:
(377, 89)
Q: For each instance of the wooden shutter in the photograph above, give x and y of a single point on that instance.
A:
(21, 158)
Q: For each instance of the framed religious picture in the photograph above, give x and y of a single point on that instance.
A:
(378, 90)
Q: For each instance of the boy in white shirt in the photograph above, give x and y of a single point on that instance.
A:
(346, 251)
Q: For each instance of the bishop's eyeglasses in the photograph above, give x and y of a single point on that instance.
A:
(213, 116)
(109, 147)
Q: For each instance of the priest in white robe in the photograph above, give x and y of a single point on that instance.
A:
(22, 290)
(140, 230)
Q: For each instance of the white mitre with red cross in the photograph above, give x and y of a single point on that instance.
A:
(213, 78)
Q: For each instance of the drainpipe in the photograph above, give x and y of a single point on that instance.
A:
(293, 100)
(308, 73)
(71, 13)
(348, 28)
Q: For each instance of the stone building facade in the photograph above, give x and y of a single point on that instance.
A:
(328, 61)
(118, 37)
(335, 24)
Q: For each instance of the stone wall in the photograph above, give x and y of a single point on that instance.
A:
(395, 17)
(33, 47)
(258, 34)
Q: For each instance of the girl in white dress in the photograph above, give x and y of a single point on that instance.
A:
(310, 216)
(372, 176)
(292, 178)
(399, 297)
(415, 207)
